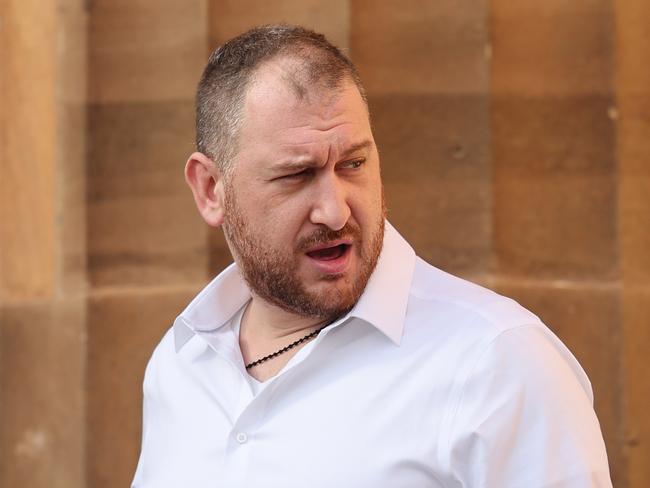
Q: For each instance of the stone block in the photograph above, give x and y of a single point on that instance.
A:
(145, 51)
(635, 354)
(551, 48)
(28, 121)
(436, 171)
(73, 57)
(71, 223)
(143, 227)
(633, 147)
(229, 18)
(587, 318)
(123, 329)
(632, 41)
(634, 216)
(554, 174)
(633, 100)
(41, 387)
(417, 46)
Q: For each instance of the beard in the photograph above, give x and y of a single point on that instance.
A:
(273, 274)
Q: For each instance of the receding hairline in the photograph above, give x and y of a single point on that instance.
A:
(295, 80)
(315, 66)
(312, 94)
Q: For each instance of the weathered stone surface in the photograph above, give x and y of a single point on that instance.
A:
(231, 17)
(555, 47)
(28, 150)
(71, 211)
(634, 187)
(554, 187)
(586, 317)
(417, 46)
(141, 50)
(42, 426)
(436, 171)
(635, 354)
(123, 329)
(70, 179)
(633, 143)
(42, 250)
(143, 225)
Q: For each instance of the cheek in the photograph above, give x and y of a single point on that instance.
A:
(283, 224)
(290, 208)
(373, 203)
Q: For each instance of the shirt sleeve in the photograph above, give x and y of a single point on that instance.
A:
(525, 418)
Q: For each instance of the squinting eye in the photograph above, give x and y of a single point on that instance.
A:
(355, 164)
(296, 176)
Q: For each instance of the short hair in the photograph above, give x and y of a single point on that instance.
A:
(231, 67)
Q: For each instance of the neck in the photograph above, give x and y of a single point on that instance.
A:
(265, 329)
(268, 323)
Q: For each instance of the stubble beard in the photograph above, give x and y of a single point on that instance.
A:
(272, 274)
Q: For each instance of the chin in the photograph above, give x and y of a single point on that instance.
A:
(337, 299)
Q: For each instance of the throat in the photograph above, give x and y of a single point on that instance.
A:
(269, 345)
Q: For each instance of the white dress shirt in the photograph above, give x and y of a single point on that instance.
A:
(430, 381)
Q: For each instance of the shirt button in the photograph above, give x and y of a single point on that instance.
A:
(241, 437)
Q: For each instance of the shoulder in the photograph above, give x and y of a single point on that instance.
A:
(476, 323)
(493, 345)
(439, 301)
(517, 393)
(524, 396)
(162, 366)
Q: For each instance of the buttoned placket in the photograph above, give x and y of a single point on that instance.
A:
(250, 410)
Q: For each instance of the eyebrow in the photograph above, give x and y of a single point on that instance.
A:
(301, 163)
(365, 144)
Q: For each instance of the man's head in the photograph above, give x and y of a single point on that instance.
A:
(233, 66)
(298, 186)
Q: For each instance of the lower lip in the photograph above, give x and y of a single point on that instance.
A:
(333, 266)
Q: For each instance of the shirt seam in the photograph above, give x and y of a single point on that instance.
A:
(457, 404)
(479, 311)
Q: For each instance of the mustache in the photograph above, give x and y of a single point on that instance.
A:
(324, 235)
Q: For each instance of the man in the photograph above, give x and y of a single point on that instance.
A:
(329, 355)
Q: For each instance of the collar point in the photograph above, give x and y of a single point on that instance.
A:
(182, 334)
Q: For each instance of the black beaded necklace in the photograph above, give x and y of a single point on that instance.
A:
(285, 349)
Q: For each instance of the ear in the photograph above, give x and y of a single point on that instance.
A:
(203, 178)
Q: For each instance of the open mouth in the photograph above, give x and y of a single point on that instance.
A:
(329, 253)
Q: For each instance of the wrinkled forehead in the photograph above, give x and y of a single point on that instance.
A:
(273, 111)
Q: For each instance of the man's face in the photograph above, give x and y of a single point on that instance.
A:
(304, 210)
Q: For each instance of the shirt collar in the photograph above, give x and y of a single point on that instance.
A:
(382, 304)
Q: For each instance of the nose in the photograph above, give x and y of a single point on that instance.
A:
(330, 203)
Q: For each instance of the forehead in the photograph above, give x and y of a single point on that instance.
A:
(274, 111)
(296, 78)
